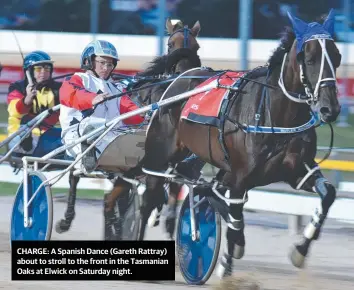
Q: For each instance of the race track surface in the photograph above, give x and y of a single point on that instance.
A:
(330, 265)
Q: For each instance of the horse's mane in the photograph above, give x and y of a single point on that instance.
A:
(286, 41)
(157, 66)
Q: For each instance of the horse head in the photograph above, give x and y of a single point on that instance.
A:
(182, 55)
(315, 57)
(180, 36)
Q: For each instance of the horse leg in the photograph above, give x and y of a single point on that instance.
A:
(191, 170)
(170, 223)
(235, 245)
(154, 196)
(63, 225)
(154, 219)
(319, 184)
(111, 220)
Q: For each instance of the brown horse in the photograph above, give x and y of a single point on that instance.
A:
(264, 132)
(182, 54)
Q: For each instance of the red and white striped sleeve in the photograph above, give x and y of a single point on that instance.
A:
(74, 95)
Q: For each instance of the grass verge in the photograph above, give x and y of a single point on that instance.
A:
(9, 189)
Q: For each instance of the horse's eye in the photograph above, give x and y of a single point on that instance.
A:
(310, 62)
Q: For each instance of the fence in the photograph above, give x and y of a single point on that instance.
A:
(338, 166)
(282, 199)
(275, 198)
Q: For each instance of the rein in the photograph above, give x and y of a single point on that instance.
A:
(90, 111)
(171, 77)
(330, 145)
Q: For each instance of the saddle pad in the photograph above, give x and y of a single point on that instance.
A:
(203, 106)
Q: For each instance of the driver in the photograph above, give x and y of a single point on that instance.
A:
(31, 96)
(82, 91)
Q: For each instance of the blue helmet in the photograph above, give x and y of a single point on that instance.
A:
(36, 57)
(99, 48)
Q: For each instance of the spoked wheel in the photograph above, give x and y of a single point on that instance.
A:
(197, 259)
(124, 222)
(40, 211)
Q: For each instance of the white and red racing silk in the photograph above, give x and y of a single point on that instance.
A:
(77, 93)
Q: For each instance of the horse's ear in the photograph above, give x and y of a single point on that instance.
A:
(328, 24)
(299, 26)
(169, 26)
(196, 29)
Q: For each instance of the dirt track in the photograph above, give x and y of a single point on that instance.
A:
(331, 264)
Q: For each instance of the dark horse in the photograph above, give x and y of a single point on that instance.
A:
(263, 135)
(182, 55)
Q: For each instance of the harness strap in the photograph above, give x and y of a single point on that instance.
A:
(186, 32)
(263, 97)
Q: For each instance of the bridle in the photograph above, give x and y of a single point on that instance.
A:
(186, 32)
(311, 94)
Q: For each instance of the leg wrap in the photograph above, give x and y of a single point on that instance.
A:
(314, 225)
(235, 224)
(327, 193)
(235, 238)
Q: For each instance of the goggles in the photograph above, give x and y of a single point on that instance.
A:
(39, 68)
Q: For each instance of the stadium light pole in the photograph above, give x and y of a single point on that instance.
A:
(94, 9)
(161, 27)
(245, 16)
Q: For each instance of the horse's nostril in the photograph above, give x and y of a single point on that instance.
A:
(325, 111)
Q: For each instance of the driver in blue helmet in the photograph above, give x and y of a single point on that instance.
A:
(81, 92)
(31, 96)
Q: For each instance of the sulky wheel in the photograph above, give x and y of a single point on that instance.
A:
(40, 211)
(132, 217)
(197, 259)
(123, 222)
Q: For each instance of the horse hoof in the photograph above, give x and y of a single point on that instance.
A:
(62, 226)
(296, 258)
(223, 270)
(239, 252)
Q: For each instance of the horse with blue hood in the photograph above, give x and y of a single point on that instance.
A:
(264, 133)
